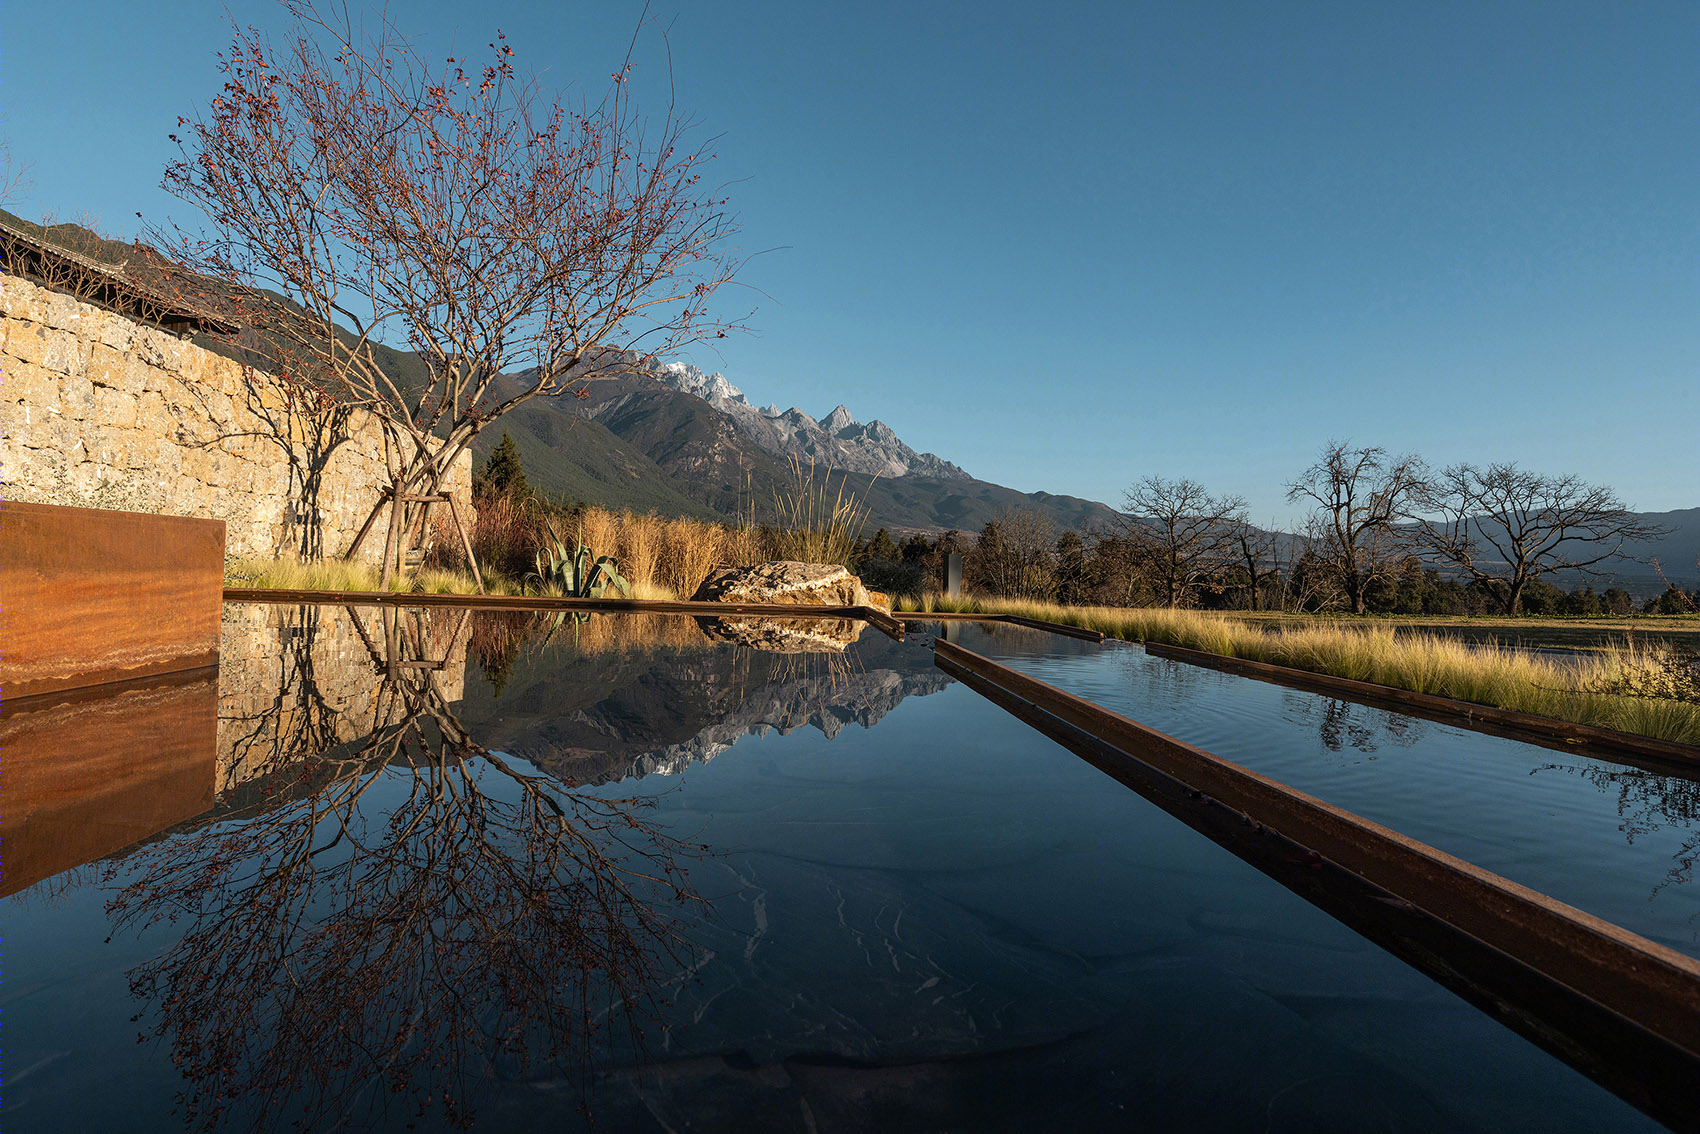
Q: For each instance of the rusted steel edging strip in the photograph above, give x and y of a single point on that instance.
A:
(1053, 627)
(1012, 619)
(880, 620)
(1621, 1008)
(1572, 737)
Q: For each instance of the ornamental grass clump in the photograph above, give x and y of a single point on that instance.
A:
(818, 523)
(339, 575)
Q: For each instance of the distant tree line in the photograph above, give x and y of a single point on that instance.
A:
(1385, 535)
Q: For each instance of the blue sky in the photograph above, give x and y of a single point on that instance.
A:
(1070, 246)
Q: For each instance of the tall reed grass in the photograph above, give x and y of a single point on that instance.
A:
(659, 558)
(1629, 688)
(818, 523)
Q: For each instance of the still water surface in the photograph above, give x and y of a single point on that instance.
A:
(512, 873)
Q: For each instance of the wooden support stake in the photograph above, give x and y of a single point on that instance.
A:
(366, 527)
(390, 542)
(465, 542)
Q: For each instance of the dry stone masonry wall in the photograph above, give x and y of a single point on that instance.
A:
(99, 411)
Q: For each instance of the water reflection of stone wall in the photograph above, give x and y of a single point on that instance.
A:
(295, 681)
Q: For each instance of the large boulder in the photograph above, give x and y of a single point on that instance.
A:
(783, 581)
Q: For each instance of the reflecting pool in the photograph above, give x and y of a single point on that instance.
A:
(410, 869)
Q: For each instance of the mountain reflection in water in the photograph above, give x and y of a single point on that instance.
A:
(397, 893)
(599, 701)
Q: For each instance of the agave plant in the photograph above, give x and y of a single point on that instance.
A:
(576, 575)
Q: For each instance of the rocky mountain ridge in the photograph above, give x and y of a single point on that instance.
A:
(838, 440)
(635, 440)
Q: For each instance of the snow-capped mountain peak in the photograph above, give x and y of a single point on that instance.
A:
(837, 440)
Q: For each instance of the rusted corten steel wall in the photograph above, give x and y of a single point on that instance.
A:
(100, 411)
(89, 597)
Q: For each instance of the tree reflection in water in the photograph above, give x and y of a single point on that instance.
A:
(405, 916)
(1648, 802)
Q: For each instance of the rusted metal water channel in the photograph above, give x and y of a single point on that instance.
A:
(1621, 1009)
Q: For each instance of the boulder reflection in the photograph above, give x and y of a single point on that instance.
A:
(391, 920)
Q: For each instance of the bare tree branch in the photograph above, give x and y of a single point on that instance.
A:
(1506, 528)
(516, 245)
(1359, 495)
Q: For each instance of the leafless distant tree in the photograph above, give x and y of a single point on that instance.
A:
(1359, 494)
(1188, 533)
(1257, 551)
(1014, 556)
(1506, 528)
(452, 209)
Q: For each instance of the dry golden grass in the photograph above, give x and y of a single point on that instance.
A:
(745, 544)
(663, 558)
(599, 531)
(336, 575)
(640, 547)
(1631, 688)
(690, 550)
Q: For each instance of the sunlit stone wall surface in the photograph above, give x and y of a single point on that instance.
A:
(296, 681)
(98, 411)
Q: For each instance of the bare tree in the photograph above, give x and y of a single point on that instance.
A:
(1013, 556)
(14, 175)
(1187, 533)
(1506, 528)
(1359, 496)
(1254, 548)
(453, 210)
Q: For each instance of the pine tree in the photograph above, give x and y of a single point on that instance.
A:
(503, 474)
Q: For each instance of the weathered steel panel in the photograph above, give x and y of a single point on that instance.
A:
(90, 771)
(90, 596)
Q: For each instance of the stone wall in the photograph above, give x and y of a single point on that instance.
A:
(98, 411)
